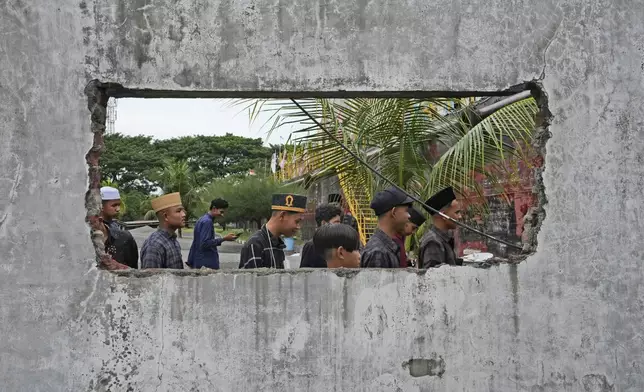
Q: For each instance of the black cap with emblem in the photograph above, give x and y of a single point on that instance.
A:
(441, 200)
(388, 199)
(288, 202)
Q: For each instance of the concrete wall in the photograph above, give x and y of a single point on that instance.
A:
(568, 318)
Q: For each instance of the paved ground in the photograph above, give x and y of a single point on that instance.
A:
(228, 251)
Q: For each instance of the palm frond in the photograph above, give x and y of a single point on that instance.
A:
(502, 135)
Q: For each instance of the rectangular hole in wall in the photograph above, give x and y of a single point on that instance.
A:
(488, 146)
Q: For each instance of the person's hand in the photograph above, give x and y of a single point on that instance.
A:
(230, 237)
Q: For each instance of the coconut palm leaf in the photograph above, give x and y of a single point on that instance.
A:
(387, 133)
(392, 135)
(504, 134)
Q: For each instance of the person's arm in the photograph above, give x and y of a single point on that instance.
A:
(432, 255)
(206, 232)
(251, 256)
(132, 253)
(153, 257)
(112, 265)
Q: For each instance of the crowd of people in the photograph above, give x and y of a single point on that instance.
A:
(334, 244)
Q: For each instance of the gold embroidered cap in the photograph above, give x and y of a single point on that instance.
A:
(166, 201)
(288, 202)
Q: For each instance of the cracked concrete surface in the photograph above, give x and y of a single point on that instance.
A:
(568, 318)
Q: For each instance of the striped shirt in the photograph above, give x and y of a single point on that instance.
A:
(263, 250)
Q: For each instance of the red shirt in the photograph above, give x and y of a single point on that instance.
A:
(400, 240)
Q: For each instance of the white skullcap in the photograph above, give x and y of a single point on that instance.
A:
(109, 193)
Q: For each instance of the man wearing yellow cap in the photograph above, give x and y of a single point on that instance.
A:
(265, 248)
(161, 249)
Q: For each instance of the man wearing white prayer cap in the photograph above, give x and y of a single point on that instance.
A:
(111, 206)
(119, 243)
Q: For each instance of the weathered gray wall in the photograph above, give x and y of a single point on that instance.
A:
(568, 318)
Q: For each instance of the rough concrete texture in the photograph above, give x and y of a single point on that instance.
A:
(568, 318)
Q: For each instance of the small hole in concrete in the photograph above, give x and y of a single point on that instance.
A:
(509, 203)
(421, 367)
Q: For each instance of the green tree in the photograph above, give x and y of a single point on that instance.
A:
(212, 157)
(249, 197)
(176, 176)
(127, 160)
(137, 202)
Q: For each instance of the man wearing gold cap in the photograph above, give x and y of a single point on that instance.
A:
(161, 249)
(265, 248)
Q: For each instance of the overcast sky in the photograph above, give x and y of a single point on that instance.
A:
(167, 118)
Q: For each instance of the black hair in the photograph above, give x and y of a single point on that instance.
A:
(333, 236)
(326, 212)
(218, 204)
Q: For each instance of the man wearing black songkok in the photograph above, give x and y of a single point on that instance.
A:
(437, 245)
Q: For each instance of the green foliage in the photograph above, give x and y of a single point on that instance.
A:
(134, 161)
(127, 159)
(210, 157)
(138, 203)
(249, 197)
(485, 146)
(176, 176)
(395, 136)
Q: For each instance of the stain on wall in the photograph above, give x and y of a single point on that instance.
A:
(420, 367)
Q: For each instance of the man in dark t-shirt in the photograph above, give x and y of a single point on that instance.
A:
(324, 215)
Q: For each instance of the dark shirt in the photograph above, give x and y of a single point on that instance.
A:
(114, 224)
(122, 247)
(381, 252)
(311, 258)
(403, 254)
(203, 251)
(262, 250)
(436, 248)
(161, 250)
